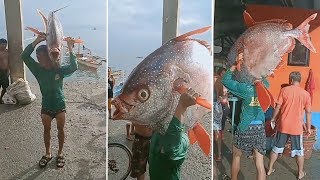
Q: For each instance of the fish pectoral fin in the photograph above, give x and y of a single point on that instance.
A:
(263, 96)
(248, 19)
(191, 33)
(34, 30)
(192, 136)
(304, 38)
(204, 103)
(44, 19)
(76, 41)
(203, 138)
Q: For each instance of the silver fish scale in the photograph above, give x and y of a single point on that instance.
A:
(54, 35)
(176, 59)
(263, 46)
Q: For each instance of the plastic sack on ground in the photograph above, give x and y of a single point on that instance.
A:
(8, 99)
(21, 91)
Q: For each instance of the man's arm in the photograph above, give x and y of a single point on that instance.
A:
(26, 54)
(235, 87)
(308, 114)
(73, 66)
(173, 142)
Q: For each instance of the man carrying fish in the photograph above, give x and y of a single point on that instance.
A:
(4, 67)
(50, 80)
(168, 151)
(250, 135)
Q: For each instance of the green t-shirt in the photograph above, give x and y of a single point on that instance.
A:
(167, 152)
(50, 81)
(250, 110)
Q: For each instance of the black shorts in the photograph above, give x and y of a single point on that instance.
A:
(140, 154)
(296, 144)
(254, 138)
(4, 80)
(52, 114)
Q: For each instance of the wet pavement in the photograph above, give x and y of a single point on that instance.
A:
(196, 166)
(286, 168)
(21, 143)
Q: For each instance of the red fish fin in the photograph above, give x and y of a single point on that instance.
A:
(76, 41)
(204, 103)
(192, 136)
(203, 138)
(279, 21)
(263, 96)
(36, 31)
(272, 101)
(304, 38)
(248, 19)
(44, 19)
(188, 34)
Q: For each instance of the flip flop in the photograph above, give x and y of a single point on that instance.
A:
(272, 171)
(304, 174)
(44, 161)
(60, 161)
(129, 138)
(217, 159)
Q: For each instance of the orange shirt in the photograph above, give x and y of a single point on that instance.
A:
(293, 100)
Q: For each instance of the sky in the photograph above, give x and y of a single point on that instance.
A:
(78, 19)
(135, 28)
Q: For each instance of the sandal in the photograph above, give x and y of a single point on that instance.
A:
(60, 161)
(272, 171)
(304, 175)
(44, 161)
(217, 158)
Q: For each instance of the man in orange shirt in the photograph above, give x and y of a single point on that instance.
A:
(292, 102)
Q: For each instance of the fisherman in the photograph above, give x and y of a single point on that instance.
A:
(111, 83)
(50, 80)
(222, 97)
(4, 67)
(140, 151)
(250, 135)
(292, 103)
(168, 151)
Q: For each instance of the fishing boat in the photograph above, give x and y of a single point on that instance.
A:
(86, 58)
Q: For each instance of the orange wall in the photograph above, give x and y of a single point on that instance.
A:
(294, 16)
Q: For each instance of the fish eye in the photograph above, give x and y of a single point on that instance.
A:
(143, 95)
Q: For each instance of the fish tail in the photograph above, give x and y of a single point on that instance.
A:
(203, 138)
(304, 38)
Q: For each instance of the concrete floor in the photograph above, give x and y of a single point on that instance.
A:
(21, 142)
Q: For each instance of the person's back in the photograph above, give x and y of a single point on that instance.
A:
(294, 99)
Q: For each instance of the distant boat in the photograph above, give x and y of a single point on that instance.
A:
(94, 28)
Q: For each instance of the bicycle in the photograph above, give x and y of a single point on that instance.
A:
(119, 169)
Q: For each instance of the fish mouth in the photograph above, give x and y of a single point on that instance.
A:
(122, 107)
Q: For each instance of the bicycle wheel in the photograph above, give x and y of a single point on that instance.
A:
(119, 161)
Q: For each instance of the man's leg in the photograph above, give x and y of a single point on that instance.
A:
(261, 173)
(280, 141)
(298, 151)
(109, 107)
(217, 140)
(60, 118)
(128, 130)
(235, 167)
(46, 121)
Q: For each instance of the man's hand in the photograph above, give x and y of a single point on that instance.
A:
(186, 99)
(273, 123)
(70, 43)
(233, 68)
(41, 37)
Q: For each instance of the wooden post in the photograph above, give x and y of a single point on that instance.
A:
(170, 19)
(15, 38)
